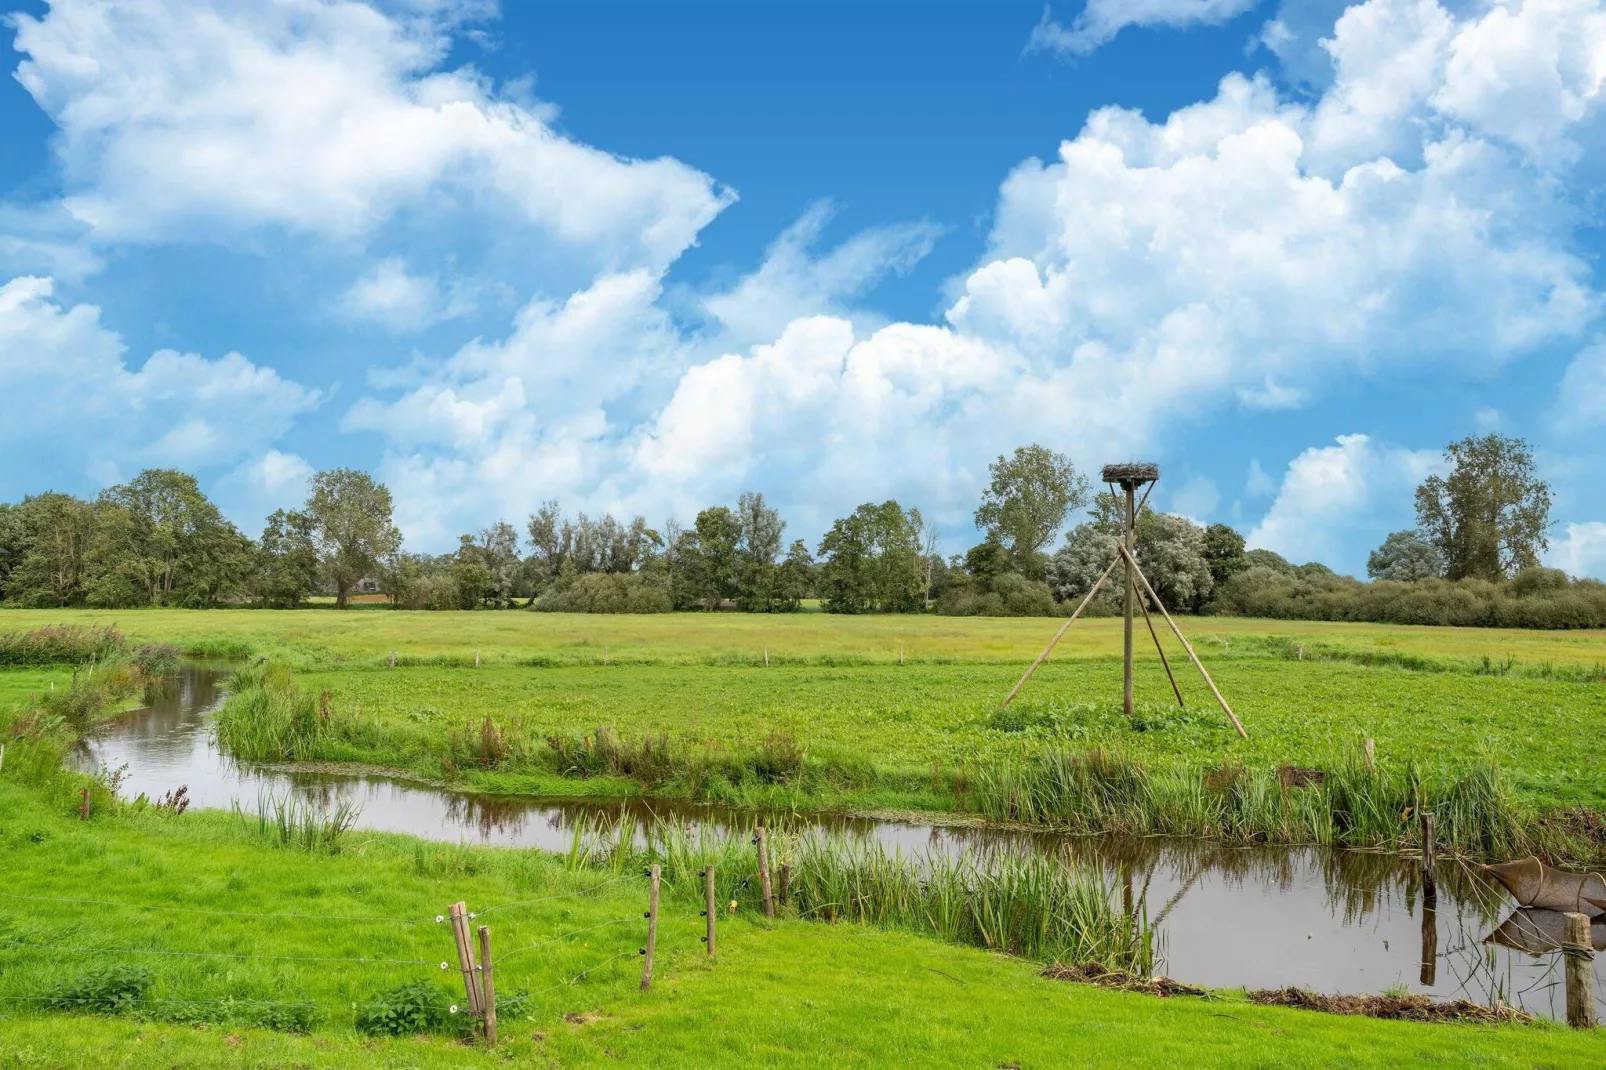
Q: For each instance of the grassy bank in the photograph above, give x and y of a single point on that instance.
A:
(1507, 771)
(788, 993)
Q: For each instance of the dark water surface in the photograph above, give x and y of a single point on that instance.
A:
(1331, 921)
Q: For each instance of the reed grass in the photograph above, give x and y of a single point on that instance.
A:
(294, 822)
(1023, 903)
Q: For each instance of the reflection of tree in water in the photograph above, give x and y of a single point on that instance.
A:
(487, 814)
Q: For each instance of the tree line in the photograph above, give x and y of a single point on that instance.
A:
(159, 541)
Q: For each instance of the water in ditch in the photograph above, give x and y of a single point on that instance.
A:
(1261, 917)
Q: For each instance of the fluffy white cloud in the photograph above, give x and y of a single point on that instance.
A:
(795, 281)
(1101, 20)
(1581, 401)
(70, 402)
(392, 298)
(1334, 497)
(200, 118)
(1249, 250)
(1582, 551)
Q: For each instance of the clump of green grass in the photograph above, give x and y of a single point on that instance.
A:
(291, 821)
(1348, 805)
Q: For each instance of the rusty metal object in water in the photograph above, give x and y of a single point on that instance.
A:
(1534, 884)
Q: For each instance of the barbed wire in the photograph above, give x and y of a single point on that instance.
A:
(563, 895)
(20, 944)
(590, 928)
(214, 913)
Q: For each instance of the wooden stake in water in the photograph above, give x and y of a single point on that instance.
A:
(712, 910)
(652, 930)
(1580, 956)
(1430, 847)
(1430, 936)
(487, 986)
(764, 871)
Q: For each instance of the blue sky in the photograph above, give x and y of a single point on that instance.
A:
(643, 257)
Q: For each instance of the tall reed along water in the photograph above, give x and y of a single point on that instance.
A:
(1258, 917)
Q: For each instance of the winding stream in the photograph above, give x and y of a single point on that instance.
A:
(1332, 921)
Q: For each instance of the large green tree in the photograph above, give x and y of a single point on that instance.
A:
(351, 517)
(871, 561)
(1026, 503)
(47, 538)
(160, 541)
(287, 560)
(1490, 515)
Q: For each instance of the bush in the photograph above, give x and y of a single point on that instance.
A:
(409, 1009)
(1007, 594)
(1538, 598)
(606, 592)
(103, 990)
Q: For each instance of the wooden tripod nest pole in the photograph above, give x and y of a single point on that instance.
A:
(1130, 477)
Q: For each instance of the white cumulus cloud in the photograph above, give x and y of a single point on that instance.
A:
(201, 118)
(1581, 551)
(1101, 20)
(64, 380)
(1333, 498)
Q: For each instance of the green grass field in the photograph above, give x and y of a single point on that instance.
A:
(792, 993)
(329, 638)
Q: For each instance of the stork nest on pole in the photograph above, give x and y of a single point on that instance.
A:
(1134, 473)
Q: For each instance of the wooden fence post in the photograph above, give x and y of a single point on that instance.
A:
(1371, 756)
(1430, 935)
(766, 657)
(1579, 954)
(488, 985)
(712, 912)
(458, 913)
(1430, 847)
(652, 931)
(476, 659)
(83, 808)
(392, 659)
(764, 872)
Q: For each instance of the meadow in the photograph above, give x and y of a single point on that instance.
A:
(237, 933)
(1493, 728)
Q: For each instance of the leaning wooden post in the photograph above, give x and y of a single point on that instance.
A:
(1579, 954)
(1214, 690)
(764, 871)
(458, 914)
(652, 930)
(487, 986)
(1027, 675)
(1143, 604)
(711, 911)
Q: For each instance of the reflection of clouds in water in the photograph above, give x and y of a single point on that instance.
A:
(1333, 921)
